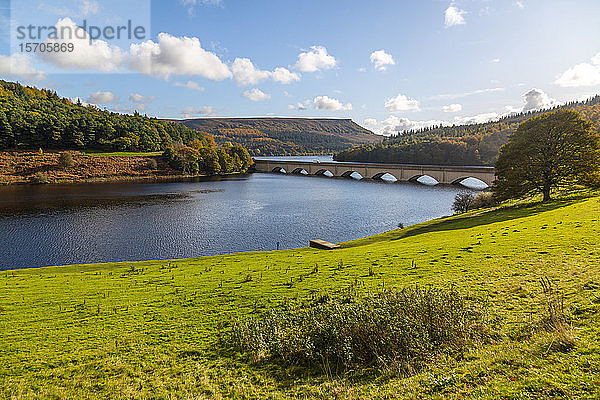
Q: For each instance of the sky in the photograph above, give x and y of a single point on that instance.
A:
(388, 65)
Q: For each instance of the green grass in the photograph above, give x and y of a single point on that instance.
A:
(154, 329)
(121, 154)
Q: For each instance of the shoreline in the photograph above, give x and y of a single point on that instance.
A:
(35, 168)
(370, 239)
(131, 179)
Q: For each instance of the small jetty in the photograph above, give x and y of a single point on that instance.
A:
(323, 244)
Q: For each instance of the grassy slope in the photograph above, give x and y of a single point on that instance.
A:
(107, 330)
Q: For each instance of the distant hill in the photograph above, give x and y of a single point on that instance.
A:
(476, 144)
(286, 136)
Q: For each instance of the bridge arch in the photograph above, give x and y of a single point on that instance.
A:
(279, 170)
(424, 179)
(471, 182)
(300, 171)
(324, 172)
(352, 174)
(385, 176)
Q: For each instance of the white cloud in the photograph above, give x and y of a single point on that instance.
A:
(299, 106)
(177, 56)
(76, 100)
(581, 75)
(453, 96)
(130, 110)
(495, 61)
(476, 119)
(520, 4)
(393, 125)
(402, 103)
(256, 95)
(533, 100)
(86, 54)
(285, 76)
(314, 60)
(537, 99)
(102, 98)
(191, 4)
(88, 7)
(190, 85)
(381, 60)
(138, 98)
(246, 73)
(206, 2)
(191, 112)
(20, 66)
(169, 56)
(454, 16)
(331, 104)
(452, 108)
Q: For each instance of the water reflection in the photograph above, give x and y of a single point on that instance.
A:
(66, 224)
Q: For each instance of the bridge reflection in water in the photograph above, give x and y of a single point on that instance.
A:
(401, 172)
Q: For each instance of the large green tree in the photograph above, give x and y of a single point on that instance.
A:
(548, 151)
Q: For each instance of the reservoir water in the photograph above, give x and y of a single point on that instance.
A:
(83, 223)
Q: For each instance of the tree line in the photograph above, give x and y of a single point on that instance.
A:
(476, 144)
(31, 118)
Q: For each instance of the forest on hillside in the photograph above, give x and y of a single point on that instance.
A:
(476, 144)
(286, 136)
(33, 118)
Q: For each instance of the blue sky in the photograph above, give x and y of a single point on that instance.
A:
(388, 65)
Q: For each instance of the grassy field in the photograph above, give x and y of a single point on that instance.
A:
(154, 329)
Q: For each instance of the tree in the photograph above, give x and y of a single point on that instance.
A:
(65, 160)
(546, 152)
(462, 202)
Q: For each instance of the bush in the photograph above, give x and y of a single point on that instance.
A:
(40, 178)
(152, 164)
(65, 160)
(393, 331)
(462, 202)
(483, 200)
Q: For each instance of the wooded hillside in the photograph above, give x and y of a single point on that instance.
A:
(286, 136)
(32, 118)
(477, 144)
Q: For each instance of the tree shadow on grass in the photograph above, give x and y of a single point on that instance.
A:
(504, 214)
(471, 220)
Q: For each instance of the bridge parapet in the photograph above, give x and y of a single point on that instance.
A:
(402, 172)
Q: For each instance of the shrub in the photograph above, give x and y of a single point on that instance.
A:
(393, 331)
(40, 178)
(65, 160)
(462, 202)
(483, 200)
(152, 164)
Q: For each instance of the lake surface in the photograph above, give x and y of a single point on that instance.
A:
(101, 222)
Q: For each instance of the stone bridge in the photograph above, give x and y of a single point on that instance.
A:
(402, 172)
